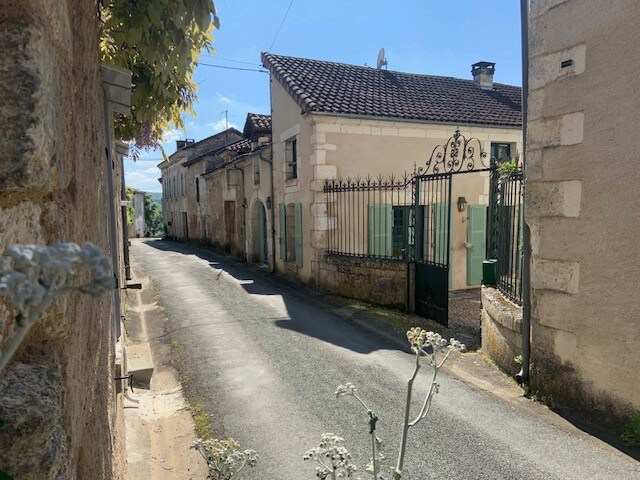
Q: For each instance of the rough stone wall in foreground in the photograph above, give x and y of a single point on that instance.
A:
(582, 205)
(57, 398)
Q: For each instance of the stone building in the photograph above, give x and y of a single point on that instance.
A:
(335, 121)
(58, 398)
(181, 185)
(582, 180)
(237, 195)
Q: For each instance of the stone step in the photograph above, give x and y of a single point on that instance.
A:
(140, 364)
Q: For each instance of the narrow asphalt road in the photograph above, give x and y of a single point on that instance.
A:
(265, 363)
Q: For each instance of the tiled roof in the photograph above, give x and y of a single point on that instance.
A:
(257, 123)
(240, 146)
(196, 151)
(330, 87)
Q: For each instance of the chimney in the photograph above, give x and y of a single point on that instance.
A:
(183, 143)
(483, 74)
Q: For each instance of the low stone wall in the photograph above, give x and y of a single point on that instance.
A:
(375, 280)
(501, 329)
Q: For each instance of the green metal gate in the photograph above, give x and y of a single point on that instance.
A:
(431, 221)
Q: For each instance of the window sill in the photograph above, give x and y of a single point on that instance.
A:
(291, 182)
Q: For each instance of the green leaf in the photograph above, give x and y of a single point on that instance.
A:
(216, 21)
(154, 15)
(134, 36)
(5, 476)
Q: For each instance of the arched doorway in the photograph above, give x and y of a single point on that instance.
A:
(259, 252)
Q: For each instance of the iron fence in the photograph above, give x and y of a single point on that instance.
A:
(505, 233)
(370, 217)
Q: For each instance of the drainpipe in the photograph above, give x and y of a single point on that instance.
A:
(273, 198)
(244, 212)
(523, 377)
(273, 230)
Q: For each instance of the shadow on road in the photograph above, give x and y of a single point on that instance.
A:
(309, 312)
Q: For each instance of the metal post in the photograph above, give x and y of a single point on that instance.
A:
(524, 375)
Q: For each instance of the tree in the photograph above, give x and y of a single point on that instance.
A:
(159, 41)
(154, 221)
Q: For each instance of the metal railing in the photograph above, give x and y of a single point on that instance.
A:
(505, 237)
(369, 217)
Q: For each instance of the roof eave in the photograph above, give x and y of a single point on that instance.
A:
(408, 120)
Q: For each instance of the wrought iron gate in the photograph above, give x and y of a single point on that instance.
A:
(431, 225)
(432, 220)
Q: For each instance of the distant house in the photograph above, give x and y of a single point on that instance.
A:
(334, 121)
(180, 184)
(237, 189)
(139, 221)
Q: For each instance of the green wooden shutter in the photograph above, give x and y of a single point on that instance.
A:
(380, 229)
(298, 225)
(283, 231)
(477, 237)
(441, 229)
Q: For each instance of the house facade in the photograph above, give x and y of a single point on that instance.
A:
(333, 121)
(238, 192)
(582, 208)
(181, 184)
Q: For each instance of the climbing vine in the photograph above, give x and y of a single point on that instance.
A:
(159, 41)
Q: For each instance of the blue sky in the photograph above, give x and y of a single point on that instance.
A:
(433, 37)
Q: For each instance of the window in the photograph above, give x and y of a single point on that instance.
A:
(501, 152)
(198, 190)
(173, 186)
(291, 158)
(400, 231)
(256, 171)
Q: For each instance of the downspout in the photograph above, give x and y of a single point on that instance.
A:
(244, 213)
(524, 376)
(273, 198)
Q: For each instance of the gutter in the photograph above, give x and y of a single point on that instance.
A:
(406, 120)
(524, 376)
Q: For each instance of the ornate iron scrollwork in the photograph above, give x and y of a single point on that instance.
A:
(456, 155)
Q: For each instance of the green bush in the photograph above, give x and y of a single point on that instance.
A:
(631, 431)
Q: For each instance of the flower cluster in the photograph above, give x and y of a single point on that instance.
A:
(420, 339)
(224, 457)
(333, 457)
(36, 274)
(346, 389)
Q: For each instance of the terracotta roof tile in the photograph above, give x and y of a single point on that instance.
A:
(319, 86)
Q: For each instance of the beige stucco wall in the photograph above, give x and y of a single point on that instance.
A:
(331, 147)
(57, 398)
(582, 204)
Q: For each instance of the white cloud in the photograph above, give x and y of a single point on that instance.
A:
(220, 125)
(223, 99)
(172, 134)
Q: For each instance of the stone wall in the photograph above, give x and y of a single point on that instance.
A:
(57, 397)
(582, 205)
(375, 280)
(501, 329)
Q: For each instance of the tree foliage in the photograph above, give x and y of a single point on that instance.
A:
(159, 41)
(153, 217)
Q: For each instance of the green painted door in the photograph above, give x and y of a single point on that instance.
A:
(441, 229)
(262, 233)
(380, 229)
(298, 232)
(477, 237)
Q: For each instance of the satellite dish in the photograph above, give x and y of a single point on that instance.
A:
(381, 60)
